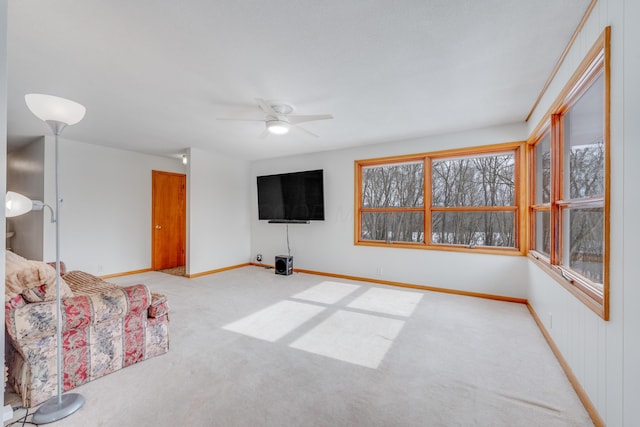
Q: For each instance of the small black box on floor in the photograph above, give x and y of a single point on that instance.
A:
(284, 264)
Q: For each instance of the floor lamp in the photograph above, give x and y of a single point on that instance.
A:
(57, 113)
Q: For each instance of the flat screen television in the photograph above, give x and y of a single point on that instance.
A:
(291, 197)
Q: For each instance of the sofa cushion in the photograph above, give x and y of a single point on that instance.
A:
(38, 319)
(109, 304)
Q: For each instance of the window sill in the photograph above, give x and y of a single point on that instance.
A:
(446, 248)
(598, 307)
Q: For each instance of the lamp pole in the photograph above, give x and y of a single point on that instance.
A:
(58, 113)
(57, 128)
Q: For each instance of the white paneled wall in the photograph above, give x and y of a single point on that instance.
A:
(631, 201)
(604, 355)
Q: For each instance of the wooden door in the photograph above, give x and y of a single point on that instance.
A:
(168, 220)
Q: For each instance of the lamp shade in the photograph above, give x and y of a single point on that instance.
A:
(278, 127)
(53, 108)
(17, 204)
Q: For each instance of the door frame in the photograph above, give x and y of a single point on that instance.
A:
(154, 255)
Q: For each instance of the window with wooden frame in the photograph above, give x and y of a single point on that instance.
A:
(465, 200)
(569, 163)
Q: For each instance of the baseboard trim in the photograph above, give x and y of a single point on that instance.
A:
(188, 276)
(582, 395)
(126, 273)
(413, 286)
(218, 270)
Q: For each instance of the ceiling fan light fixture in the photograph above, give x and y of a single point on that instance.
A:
(278, 127)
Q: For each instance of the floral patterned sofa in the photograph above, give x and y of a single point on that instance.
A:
(105, 327)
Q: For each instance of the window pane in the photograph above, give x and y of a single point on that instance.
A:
(583, 247)
(474, 181)
(393, 226)
(474, 228)
(584, 145)
(543, 170)
(543, 232)
(398, 185)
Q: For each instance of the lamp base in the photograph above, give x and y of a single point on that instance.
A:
(51, 410)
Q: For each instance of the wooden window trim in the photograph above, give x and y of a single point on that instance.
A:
(517, 148)
(474, 209)
(542, 132)
(596, 63)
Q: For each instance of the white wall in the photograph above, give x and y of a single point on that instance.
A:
(605, 355)
(3, 129)
(328, 246)
(105, 217)
(25, 175)
(217, 212)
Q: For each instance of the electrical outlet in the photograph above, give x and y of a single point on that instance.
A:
(550, 321)
(259, 257)
(379, 271)
(100, 268)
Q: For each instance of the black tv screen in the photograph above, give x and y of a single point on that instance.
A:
(291, 197)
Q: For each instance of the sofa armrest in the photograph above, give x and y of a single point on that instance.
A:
(159, 305)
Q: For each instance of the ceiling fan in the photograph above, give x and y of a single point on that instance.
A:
(278, 119)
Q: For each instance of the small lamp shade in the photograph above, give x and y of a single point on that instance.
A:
(53, 108)
(16, 204)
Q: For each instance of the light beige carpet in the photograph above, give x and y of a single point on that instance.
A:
(251, 348)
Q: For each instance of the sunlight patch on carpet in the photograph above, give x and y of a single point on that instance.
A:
(356, 338)
(388, 301)
(327, 292)
(274, 322)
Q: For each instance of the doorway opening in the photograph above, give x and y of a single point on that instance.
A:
(168, 222)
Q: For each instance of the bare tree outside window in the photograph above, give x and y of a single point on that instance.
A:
(543, 170)
(541, 208)
(582, 223)
(393, 186)
(466, 199)
(585, 254)
(543, 232)
(394, 190)
(482, 181)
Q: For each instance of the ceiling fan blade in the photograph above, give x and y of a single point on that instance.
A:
(300, 119)
(240, 120)
(265, 133)
(305, 131)
(266, 107)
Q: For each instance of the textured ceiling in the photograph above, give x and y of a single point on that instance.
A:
(155, 75)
